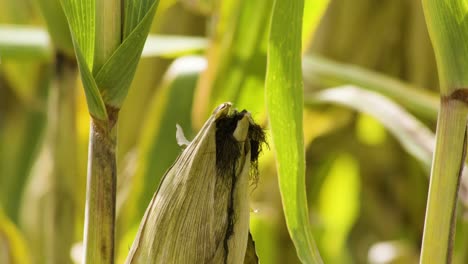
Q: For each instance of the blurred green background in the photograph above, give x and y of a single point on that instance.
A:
(367, 167)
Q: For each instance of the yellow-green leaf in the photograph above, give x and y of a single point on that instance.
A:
(284, 93)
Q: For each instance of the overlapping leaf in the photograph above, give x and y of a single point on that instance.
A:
(115, 76)
(110, 85)
(81, 20)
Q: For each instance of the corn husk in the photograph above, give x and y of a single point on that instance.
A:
(200, 213)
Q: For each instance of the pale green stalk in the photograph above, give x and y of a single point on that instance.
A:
(108, 38)
(448, 29)
(445, 179)
(99, 234)
(101, 191)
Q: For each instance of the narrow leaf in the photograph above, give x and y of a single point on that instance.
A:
(284, 94)
(81, 20)
(94, 100)
(80, 16)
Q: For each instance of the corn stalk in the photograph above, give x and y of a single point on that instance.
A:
(448, 30)
(108, 39)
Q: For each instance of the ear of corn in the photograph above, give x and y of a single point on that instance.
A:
(200, 213)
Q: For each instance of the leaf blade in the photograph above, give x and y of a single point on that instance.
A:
(284, 94)
(96, 106)
(81, 20)
(80, 15)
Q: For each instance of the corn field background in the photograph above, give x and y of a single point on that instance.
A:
(359, 104)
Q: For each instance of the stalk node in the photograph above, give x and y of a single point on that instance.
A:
(459, 94)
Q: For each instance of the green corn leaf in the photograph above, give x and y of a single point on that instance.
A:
(115, 76)
(80, 16)
(110, 84)
(284, 94)
(94, 100)
(133, 14)
(448, 27)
